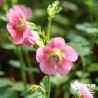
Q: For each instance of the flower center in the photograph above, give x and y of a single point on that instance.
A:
(19, 26)
(55, 56)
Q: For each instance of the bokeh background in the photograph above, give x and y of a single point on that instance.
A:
(77, 22)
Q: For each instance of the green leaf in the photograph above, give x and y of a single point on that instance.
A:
(69, 5)
(44, 83)
(16, 64)
(83, 51)
(62, 20)
(93, 67)
(2, 73)
(75, 37)
(35, 94)
(7, 92)
(5, 82)
(3, 17)
(77, 44)
(53, 9)
(57, 77)
(87, 27)
(8, 46)
(18, 86)
(33, 26)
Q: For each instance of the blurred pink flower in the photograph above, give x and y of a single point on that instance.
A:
(31, 38)
(26, 10)
(1, 1)
(17, 26)
(83, 90)
(56, 57)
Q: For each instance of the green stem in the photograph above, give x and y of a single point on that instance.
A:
(91, 11)
(48, 30)
(31, 76)
(48, 93)
(19, 53)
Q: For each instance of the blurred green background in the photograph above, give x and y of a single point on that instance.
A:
(77, 22)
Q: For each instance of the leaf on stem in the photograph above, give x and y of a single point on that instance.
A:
(53, 9)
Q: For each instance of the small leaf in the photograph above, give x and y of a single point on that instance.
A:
(3, 17)
(33, 26)
(14, 63)
(44, 82)
(53, 9)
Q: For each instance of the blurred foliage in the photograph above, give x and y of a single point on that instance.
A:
(77, 23)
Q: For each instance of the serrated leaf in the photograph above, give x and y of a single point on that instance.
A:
(33, 26)
(53, 9)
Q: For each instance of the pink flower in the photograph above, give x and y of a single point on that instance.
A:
(17, 26)
(31, 38)
(56, 57)
(83, 90)
(1, 4)
(1, 1)
(26, 10)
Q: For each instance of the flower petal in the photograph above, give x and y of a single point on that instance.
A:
(18, 39)
(39, 54)
(56, 42)
(47, 67)
(70, 53)
(11, 15)
(64, 67)
(31, 38)
(11, 30)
